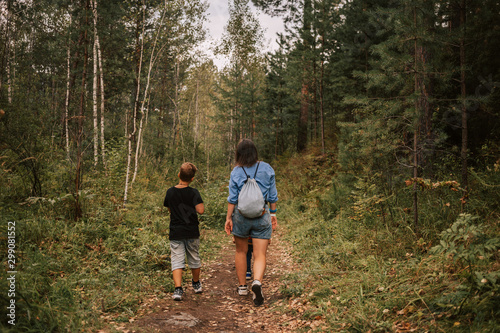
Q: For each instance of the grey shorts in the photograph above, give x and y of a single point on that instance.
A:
(180, 249)
(259, 228)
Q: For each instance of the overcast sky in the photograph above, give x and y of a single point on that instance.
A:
(218, 15)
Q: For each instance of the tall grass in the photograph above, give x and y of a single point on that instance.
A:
(366, 267)
(79, 275)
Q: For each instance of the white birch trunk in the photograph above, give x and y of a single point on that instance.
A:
(66, 103)
(9, 81)
(94, 89)
(196, 118)
(146, 94)
(207, 146)
(8, 35)
(5, 30)
(101, 79)
(136, 102)
(129, 157)
(145, 125)
(177, 70)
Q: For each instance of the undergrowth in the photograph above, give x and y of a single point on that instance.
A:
(80, 275)
(365, 265)
(367, 268)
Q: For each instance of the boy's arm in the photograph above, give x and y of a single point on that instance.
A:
(200, 208)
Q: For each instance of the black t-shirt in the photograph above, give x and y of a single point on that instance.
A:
(183, 216)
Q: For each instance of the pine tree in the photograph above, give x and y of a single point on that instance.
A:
(241, 42)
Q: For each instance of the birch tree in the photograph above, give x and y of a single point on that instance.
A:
(152, 61)
(136, 102)
(94, 86)
(98, 89)
(68, 85)
(241, 43)
(81, 115)
(101, 76)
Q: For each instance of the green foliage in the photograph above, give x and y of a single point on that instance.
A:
(364, 270)
(468, 252)
(214, 196)
(377, 73)
(467, 245)
(465, 242)
(80, 275)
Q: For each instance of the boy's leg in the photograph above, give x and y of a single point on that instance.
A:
(194, 262)
(249, 258)
(193, 257)
(196, 274)
(177, 273)
(177, 259)
(177, 254)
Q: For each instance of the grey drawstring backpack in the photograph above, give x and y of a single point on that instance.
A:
(250, 200)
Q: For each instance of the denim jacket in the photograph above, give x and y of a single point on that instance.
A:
(265, 179)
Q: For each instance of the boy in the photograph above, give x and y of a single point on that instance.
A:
(184, 203)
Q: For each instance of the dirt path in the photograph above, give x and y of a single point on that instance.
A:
(219, 308)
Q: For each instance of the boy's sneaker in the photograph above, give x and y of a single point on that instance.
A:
(249, 275)
(177, 296)
(242, 290)
(197, 287)
(258, 297)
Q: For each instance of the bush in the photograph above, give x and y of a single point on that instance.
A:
(472, 253)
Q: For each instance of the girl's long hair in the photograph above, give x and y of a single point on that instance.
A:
(246, 153)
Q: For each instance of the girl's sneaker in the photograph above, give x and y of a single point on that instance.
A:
(258, 297)
(249, 275)
(177, 296)
(242, 290)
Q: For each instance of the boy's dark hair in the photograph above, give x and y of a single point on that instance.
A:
(187, 172)
(246, 153)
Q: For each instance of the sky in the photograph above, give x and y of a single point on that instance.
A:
(218, 15)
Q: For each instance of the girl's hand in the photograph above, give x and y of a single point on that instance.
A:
(229, 226)
(274, 222)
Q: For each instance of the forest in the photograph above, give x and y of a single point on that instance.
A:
(381, 119)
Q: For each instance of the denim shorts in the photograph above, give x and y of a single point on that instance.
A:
(260, 227)
(180, 249)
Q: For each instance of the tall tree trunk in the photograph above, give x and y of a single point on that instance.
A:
(463, 95)
(146, 118)
(66, 102)
(136, 103)
(304, 97)
(8, 55)
(145, 97)
(321, 109)
(417, 125)
(231, 144)
(5, 7)
(314, 86)
(101, 76)
(8, 42)
(94, 88)
(195, 139)
(303, 118)
(79, 139)
(207, 147)
(99, 82)
(176, 106)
